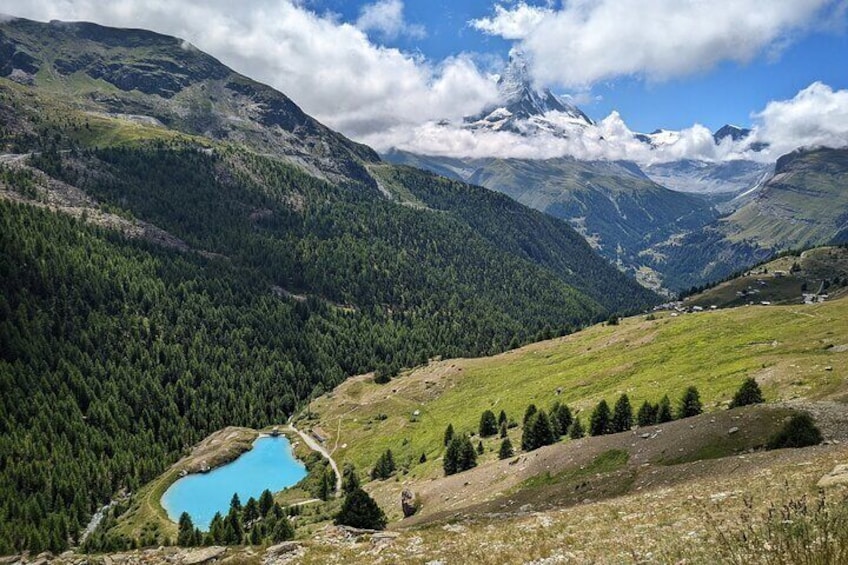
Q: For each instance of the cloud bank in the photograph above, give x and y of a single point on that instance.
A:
(328, 67)
(816, 116)
(591, 40)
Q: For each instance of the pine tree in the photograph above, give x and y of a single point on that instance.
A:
(360, 511)
(502, 419)
(537, 432)
(185, 535)
(576, 431)
(664, 411)
(599, 423)
(506, 451)
(459, 456)
(327, 484)
(266, 502)
(529, 412)
(488, 424)
(504, 430)
(251, 511)
(647, 415)
(235, 502)
(350, 480)
(748, 393)
(690, 403)
(384, 467)
(622, 417)
(480, 449)
(448, 434)
(283, 530)
(561, 419)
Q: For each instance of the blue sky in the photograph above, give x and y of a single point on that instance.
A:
(730, 92)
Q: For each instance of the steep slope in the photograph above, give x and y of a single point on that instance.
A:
(284, 253)
(614, 205)
(805, 203)
(161, 79)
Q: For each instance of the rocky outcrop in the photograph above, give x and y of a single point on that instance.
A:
(408, 503)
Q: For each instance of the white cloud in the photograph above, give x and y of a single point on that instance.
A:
(330, 68)
(386, 18)
(817, 115)
(591, 40)
(514, 23)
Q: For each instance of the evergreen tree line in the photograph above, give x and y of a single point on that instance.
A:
(254, 523)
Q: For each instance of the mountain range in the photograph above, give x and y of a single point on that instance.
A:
(672, 224)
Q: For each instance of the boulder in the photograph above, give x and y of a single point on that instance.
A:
(407, 503)
(204, 555)
(839, 476)
(283, 548)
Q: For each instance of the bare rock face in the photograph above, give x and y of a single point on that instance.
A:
(407, 503)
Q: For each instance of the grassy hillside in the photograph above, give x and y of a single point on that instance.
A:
(820, 272)
(804, 204)
(793, 351)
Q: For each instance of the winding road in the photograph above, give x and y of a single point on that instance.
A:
(315, 446)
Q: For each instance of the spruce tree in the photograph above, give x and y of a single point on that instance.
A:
(350, 480)
(664, 411)
(266, 502)
(283, 530)
(384, 467)
(459, 456)
(504, 430)
(502, 420)
(251, 511)
(528, 412)
(360, 511)
(690, 403)
(185, 535)
(647, 415)
(576, 431)
(506, 451)
(563, 418)
(748, 393)
(448, 434)
(537, 432)
(488, 424)
(599, 423)
(622, 417)
(480, 449)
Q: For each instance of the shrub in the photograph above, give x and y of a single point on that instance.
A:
(748, 393)
(799, 431)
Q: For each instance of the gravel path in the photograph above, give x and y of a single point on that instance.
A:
(315, 446)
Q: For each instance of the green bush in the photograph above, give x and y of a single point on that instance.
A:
(748, 393)
(799, 431)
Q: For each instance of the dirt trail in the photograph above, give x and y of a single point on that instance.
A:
(315, 446)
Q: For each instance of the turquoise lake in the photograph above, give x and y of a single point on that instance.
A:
(269, 465)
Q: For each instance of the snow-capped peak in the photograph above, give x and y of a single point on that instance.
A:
(525, 110)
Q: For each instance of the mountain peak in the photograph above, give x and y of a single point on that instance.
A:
(523, 109)
(733, 132)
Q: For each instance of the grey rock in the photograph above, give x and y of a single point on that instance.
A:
(204, 555)
(732, 430)
(407, 503)
(283, 548)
